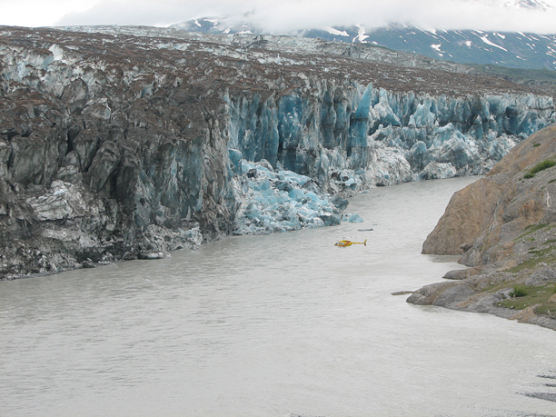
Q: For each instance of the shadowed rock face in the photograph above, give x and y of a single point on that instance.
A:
(504, 225)
(117, 146)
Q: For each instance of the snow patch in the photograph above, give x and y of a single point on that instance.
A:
(488, 42)
(361, 35)
(436, 47)
(336, 32)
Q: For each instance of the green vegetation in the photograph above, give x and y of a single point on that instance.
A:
(524, 296)
(547, 309)
(547, 163)
(536, 145)
(532, 263)
(519, 291)
(532, 228)
(541, 252)
(541, 166)
(544, 254)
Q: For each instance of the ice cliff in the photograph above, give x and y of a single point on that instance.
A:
(116, 146)
(372, 135)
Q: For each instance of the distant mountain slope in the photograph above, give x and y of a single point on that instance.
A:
(515, 50)
(517, 4)
(216, 26)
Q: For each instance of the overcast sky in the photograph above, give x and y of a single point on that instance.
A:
(282, 15)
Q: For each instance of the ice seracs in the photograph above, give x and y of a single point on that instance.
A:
(280, 200)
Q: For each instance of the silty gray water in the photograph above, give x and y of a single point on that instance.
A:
(271, 326)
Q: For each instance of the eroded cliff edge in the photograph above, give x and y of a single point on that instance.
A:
(504, 226)
(115, 146)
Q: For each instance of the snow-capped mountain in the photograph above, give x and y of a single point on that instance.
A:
(216, 26)
(516, 50)
(509, 49)
(531, 4)
(519, 4)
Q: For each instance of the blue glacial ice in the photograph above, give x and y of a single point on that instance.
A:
(280, 200)
(352, 218)
(342, 138)
(390, 136)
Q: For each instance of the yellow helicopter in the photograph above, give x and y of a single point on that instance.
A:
(346, 243)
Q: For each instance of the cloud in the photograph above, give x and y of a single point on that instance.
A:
(39, 12)
(139, 12)
(287, 15)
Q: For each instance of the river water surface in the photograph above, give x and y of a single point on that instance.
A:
(277, 325)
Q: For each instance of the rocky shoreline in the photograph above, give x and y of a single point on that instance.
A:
(504, 226)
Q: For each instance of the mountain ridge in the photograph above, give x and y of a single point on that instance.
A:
(509, 49)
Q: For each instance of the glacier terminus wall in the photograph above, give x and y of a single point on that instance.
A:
(386, 137)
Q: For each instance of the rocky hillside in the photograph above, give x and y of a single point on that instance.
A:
(504, 225)
(120, 145)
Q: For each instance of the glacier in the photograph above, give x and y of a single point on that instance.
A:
(105, 155)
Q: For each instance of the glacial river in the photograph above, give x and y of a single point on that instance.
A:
(278, 325)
